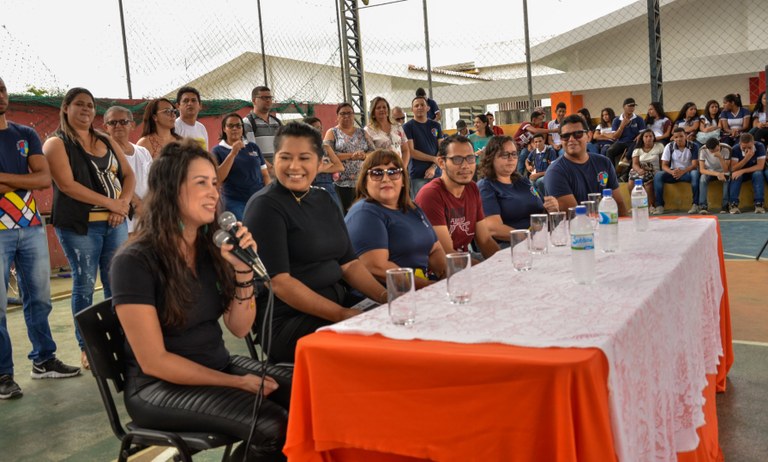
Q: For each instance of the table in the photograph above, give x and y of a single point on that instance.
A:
(523, 373)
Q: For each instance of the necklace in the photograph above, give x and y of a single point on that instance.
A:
(299, 198)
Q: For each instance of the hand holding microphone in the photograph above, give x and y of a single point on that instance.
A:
(244, 247)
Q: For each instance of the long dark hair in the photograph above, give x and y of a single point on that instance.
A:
(494, 147)
(660, 114)
(759, 104)
(150, 126)
(709, 118)
(383, 157)
(159, 230)
(733, 98)
(611, 114)
(484, 119)
(681, 115)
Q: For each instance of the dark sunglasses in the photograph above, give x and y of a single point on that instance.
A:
(458, 160)
(234, 125)
(578, 134)
(399, 119)
(377, 174)
(115, 123)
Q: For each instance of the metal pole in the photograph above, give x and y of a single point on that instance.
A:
(654, 51)
(528, 57)
(426, 44)
(125, 51)
(340, 23)
(261, 36)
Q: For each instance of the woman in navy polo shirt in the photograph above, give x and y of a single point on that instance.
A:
(242, 168)
(734, 119)
(387, 229)
(509, 198)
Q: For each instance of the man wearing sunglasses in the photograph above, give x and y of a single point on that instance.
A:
(578, 173)
(118, 121)
(452, 202)
(398, 115)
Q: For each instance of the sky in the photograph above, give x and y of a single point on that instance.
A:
(54, 44)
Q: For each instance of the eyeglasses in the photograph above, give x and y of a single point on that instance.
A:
(169, 112)
(507, 155)
(346, 114)
(115, 123)
(266, 98)
(578, 134)
(458, 160)
(377, 174)
(234, 125)
(399, 119)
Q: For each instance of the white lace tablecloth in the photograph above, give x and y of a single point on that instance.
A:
(653, 311)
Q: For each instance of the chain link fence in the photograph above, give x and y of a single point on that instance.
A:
(583, 54)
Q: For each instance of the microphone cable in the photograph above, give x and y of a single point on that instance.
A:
(266, 329)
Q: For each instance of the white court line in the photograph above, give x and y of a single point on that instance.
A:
(747, 342)
(739, 255)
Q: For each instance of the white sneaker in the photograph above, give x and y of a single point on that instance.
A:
(694, 209)
(703, 211)
(734, 209)
(759, 209)
(659, 210)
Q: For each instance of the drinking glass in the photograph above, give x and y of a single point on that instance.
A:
(592, 213)
(558, 227)
(539, 233)
(520, 243)
(402, 311)
(595, 197)
(459, 277)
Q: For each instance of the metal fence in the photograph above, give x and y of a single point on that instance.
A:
(585, 54)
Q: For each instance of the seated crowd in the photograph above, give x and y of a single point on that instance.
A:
(331, 212)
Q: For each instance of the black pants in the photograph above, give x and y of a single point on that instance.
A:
(287, 333)
(347, 196)
(617, 149)
(161, 405)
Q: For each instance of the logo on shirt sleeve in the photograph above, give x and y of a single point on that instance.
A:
(23, 148)
(602, 179)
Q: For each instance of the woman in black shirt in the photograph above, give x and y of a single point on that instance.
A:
(170, 287)
(304, 245)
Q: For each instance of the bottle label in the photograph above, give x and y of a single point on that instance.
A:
(582, 241)
(609, 218)
(640, 202)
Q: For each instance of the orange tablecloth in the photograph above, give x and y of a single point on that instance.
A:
(358, 398)
(367, 398)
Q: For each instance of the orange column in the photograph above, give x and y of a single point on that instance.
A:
(572, 102)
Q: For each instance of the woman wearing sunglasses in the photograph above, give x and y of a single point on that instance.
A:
(386, 228)
(159, 124)
(508, 197)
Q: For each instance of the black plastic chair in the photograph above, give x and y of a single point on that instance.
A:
(104, 345)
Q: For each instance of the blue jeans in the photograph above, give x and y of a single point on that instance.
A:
(757, 187)
(521, 161)
(27, 248)
(86, 253)
(703, 184)
(662, 177)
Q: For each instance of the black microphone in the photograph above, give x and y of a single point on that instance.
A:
(221, 237)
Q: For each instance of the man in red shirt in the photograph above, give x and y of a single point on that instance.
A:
(497, 131)
(452, 202)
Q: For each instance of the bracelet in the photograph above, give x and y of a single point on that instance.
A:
(244, 272)
(244, 299)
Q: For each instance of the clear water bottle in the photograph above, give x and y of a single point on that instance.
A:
(609, 222)
(582, 247)
(639, 206)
